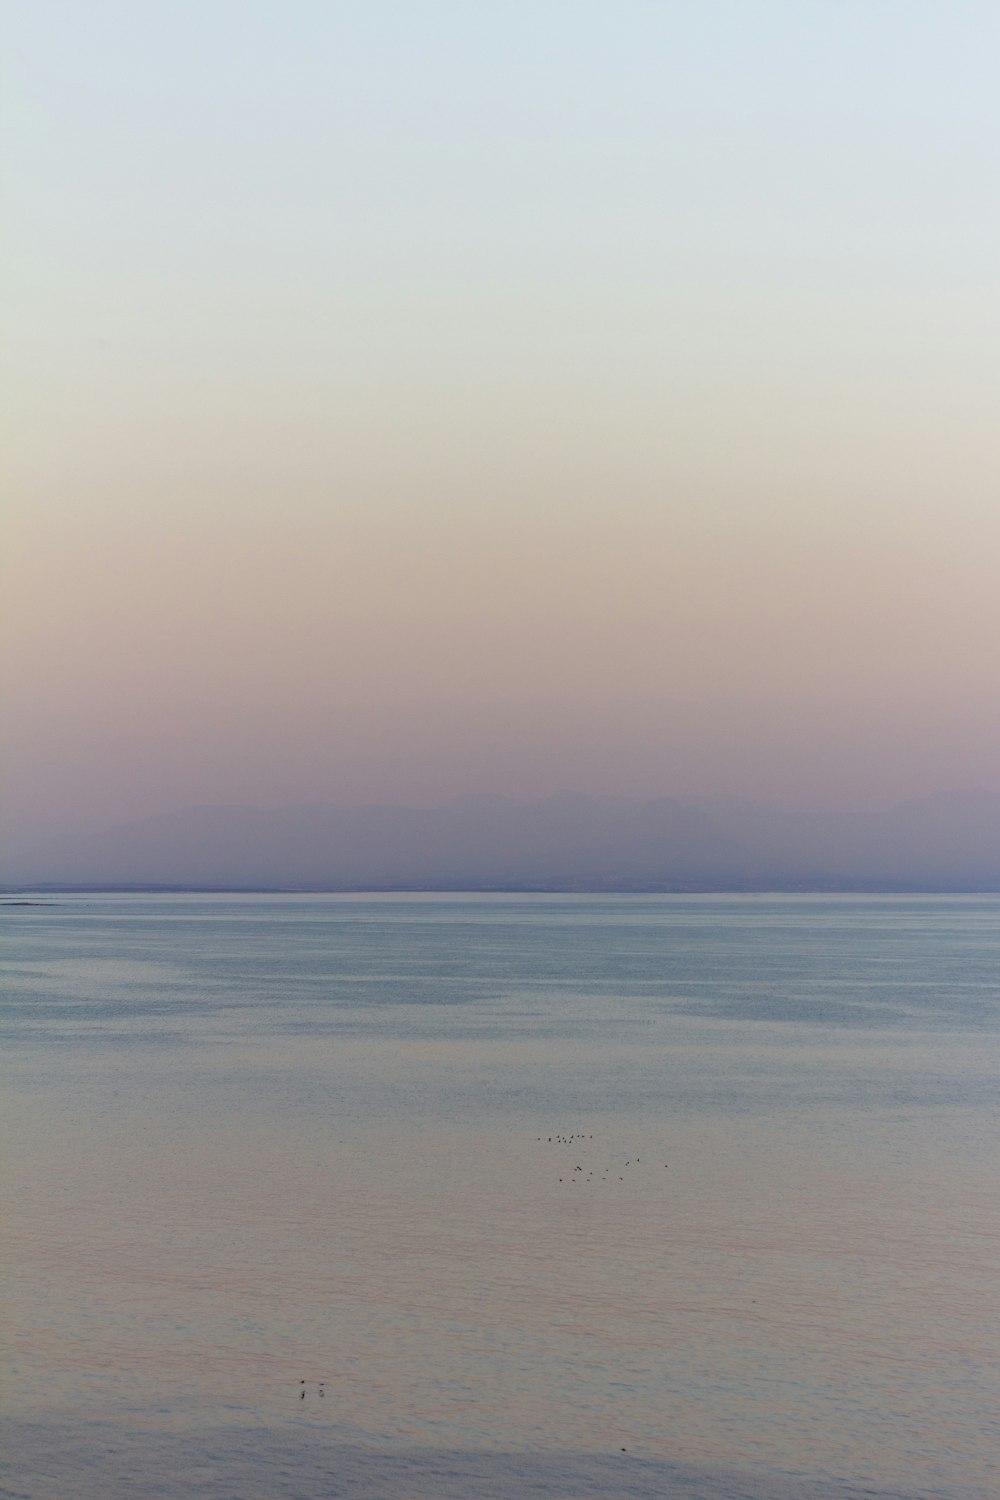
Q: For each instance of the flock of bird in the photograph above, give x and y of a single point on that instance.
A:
(589, 1174)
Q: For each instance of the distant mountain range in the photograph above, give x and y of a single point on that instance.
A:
(565, 842)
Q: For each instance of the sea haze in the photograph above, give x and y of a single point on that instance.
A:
(565, 842)
(501, 1195)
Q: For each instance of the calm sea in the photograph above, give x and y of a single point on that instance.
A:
(409, 1196)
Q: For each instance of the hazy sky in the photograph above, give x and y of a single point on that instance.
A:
(411, 399)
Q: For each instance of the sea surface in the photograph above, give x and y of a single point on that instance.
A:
(407, 1196)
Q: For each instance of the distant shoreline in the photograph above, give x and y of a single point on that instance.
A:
(829, 889)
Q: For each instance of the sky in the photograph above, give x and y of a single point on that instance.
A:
(412, 400)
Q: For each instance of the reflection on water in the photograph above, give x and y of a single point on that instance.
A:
(264, 1148)
(254, 1464)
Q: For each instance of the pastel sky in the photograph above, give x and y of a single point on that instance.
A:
(411, 398)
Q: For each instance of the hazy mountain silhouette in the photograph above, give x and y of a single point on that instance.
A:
(569, 842)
